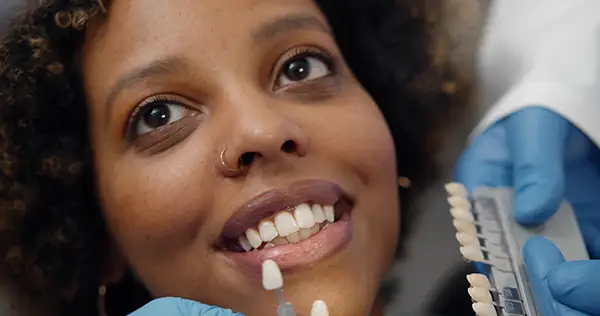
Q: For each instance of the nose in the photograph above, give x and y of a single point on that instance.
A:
(264, 135)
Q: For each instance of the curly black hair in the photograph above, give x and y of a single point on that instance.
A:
(52, 235)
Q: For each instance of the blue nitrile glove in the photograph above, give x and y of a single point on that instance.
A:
(545, 159)
(172, 306)
(561, 288)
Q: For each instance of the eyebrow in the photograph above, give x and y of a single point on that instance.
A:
(173, 64)
(289, 23)
(157, 68)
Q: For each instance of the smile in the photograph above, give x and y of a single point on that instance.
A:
(317, 226)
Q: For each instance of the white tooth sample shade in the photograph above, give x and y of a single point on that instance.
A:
(472, 253)
(267, 231)
(253, 238)
(272, 278)
(319, 308)
(479, 280)
(484, 309)
(464, 227)
(285, 223)
(467, 240)
(329, 213)
(479, 294)
(244, 243)
(455, 188)
(462, 214)
(318, 213)
(304, 216)
(459, 202)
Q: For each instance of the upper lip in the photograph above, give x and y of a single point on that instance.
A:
(270, 202)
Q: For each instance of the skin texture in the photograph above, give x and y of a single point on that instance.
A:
(165, 197)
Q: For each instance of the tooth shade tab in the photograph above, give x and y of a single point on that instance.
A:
(480, 294)
(462, 214)
(319, 308)
(272, 278)
(479, 280)
(484, 309)
(455, 188)
(459, 202)
(464, 227)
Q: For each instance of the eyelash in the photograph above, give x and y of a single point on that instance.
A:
(305, 51)
(136, 114)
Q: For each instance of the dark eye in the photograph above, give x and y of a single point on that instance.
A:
(301, 69)
(158, 114)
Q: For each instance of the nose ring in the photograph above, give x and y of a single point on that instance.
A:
(222, 158)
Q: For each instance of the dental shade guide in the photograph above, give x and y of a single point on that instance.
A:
(488, 233)
(272, 280)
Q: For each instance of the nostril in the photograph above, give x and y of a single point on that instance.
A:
(246, 159)
(289, 146)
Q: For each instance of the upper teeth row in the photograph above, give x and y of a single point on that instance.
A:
(303, 218)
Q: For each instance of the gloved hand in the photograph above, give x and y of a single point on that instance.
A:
(545, 159)
(171, 306)
(561, 288)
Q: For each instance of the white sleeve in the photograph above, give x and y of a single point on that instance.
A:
(542, 53)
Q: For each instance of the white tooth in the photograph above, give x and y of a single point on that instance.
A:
(329, 213)
(304, 216)
(455, 188)
(268, 245)
(479, 294)
(464, 227)
(459, 202)
(467, 240)
(244, 243)
(472, 253)
(462, 214)
(280, 241)
(272, 278)
(285, 223)
(484, 309)
(253, 238)
(293, 238)
(319, 308)
(318, 213)
(267, 231)
(315, 229)
(479, 280)
(304, 233)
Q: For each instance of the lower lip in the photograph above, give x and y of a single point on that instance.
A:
(327, 242)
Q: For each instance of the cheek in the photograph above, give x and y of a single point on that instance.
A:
(150, 205)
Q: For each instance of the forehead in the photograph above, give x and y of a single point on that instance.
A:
(175, 24)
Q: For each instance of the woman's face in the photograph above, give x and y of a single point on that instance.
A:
(173, 87)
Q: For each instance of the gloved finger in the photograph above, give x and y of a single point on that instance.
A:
(537, 138)
(485, 162)
(174, 306)
(577, 284)
(541, 256)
